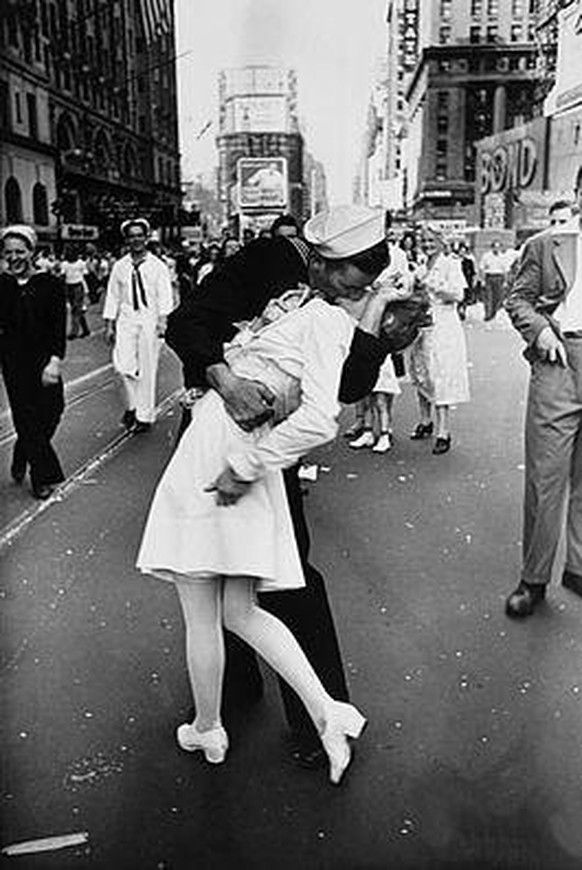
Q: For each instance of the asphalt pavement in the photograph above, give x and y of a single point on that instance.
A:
(473, 754)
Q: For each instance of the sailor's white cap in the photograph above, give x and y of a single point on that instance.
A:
(345, 230)
(136, 222)
(23, 231)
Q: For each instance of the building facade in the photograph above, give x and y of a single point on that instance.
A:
(476, 75)
(88, 117)
(260, 146)
(523, 170)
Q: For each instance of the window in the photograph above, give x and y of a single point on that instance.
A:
(492, 33)
(441, 159)
(442, 102)
(40, 205)
(476, 8)
(475, 33)
(442, 124)
(13, 201)
(4, 106)
(32, 116)
(533, 7)
(492, 7)
(517, 8)
(516, 33)
(446, 10)
(444, 34)
(18, 107)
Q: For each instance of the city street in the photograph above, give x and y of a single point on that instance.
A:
(472, 758)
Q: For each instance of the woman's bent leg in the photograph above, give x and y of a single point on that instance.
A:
(271, 638)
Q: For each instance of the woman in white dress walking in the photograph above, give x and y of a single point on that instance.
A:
(219, 526)
(438, 358)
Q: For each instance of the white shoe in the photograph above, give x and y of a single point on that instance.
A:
(342, 722)
(366, 439)
(383, 444)
(213, 743)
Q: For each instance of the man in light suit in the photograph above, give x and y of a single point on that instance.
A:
(545, 306)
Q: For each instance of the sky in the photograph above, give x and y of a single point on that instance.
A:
(334, 46)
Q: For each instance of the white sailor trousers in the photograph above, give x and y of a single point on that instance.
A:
(135, 356)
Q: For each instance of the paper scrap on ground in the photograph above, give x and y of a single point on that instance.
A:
(308, 472)
(46, 844)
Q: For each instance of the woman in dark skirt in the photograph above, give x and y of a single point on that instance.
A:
(33, 318)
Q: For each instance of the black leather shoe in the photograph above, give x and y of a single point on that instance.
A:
(44, 491)
(18, 471)
(308, 756)
(572, 581)
(442, 445)
(423, 430)
(524, 600)
(128, 419)
(141, 426)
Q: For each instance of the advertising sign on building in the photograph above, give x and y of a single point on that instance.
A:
(508, 164)
(267, 114)
(262, 183)
(512, 159)
(567, 90)
(79, 233)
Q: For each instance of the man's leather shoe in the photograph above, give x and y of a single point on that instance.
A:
(309, 756)
(524, 600)
(18, 471)
(43, 491)
(128, 419)
(572, 581)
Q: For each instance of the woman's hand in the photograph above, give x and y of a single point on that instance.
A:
(161, 327)
(110, 331)
(51, 374)
(228, 487)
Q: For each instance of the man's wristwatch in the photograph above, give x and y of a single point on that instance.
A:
(190, 396)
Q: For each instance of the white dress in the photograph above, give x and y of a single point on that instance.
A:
(186, 532)
(438, 357)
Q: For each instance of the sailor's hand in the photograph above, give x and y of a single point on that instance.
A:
(51, 373)
(550, 348)
(249, 403)
(228, 488)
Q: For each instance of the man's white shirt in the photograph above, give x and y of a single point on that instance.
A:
(156, 283)
(569, 312)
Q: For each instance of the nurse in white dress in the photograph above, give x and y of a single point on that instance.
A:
(219, 526)
(438, 357)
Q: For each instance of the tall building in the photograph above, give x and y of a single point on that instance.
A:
(88, 116)
(260, 146)
(476, 74)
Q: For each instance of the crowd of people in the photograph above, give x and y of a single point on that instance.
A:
(274, 335)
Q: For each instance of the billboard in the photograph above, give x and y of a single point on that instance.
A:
(262, 183)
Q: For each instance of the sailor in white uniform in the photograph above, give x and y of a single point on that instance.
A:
(138, 300)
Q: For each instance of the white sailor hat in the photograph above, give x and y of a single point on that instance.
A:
(136, 222)
(345, 230)
(23, 231)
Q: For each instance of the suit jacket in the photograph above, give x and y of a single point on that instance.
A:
(238, 290)
(544, 277)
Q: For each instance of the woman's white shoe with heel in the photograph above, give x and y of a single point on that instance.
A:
(213, 743)
(341, 723)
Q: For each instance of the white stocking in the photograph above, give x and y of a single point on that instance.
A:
(202, 605)
(275, 643)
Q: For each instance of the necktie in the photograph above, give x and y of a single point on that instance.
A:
(137, 284)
